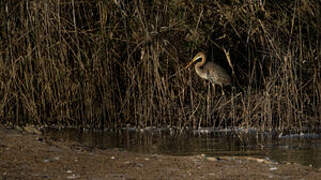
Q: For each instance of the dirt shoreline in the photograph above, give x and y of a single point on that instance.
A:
(34, 156)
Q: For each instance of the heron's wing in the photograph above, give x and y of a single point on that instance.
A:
(218, 74)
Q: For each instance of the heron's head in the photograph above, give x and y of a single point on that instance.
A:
(198, 58)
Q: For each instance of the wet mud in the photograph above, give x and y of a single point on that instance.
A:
(35, 156)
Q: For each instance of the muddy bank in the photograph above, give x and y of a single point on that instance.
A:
(31, 156)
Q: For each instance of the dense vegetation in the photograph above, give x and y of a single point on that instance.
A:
(115, 63)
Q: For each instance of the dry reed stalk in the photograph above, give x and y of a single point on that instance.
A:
(111, 64)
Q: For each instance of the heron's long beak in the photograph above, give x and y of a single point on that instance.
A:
(189, 64)
(192, 61)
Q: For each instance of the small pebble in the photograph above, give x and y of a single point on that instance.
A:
(73, 176)
(113, 157)
(139, 165)
(69, 171)
(212, 159)
(273, 168)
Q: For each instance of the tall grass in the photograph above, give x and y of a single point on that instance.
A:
(108, 64)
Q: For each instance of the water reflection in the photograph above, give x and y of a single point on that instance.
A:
(305, 150)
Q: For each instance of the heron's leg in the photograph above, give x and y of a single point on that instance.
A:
(222, 90)
(208, 109)
(213, 86)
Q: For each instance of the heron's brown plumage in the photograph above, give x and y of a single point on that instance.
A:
(210, 70)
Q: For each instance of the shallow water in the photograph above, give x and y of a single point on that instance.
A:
(299, 148)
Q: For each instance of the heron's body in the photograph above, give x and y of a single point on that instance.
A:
(210, 71)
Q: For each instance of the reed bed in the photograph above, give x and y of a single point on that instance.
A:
(110, 64)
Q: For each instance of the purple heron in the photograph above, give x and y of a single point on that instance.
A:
(211, 71)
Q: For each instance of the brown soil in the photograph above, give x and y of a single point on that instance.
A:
(30, 156)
